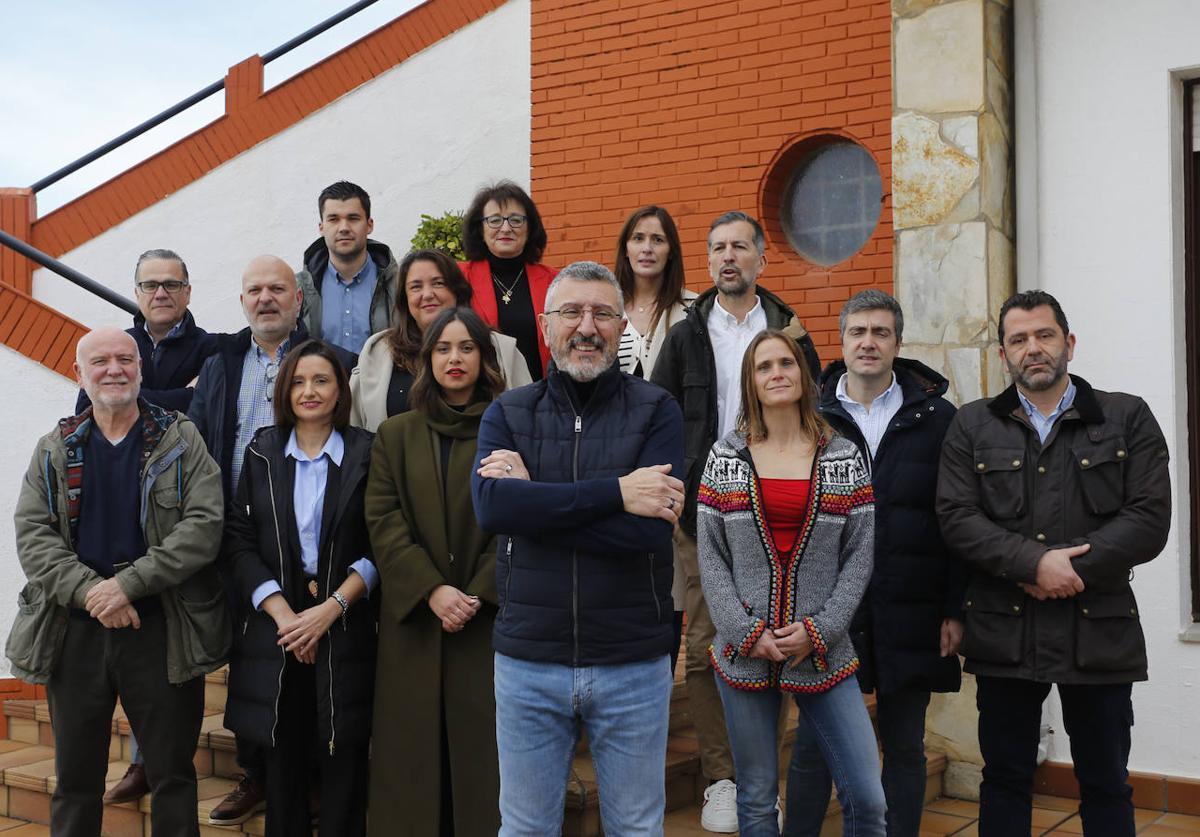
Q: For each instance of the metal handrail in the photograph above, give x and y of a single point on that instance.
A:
(69, 273)
(195, 98)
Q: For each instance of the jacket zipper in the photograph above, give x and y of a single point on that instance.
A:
(508, 578)
(328, 585)
(653, 590)
(279, 546)
(575, 552)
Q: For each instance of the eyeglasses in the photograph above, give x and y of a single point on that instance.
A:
(600, 316)
(150, 286)
(497, 221)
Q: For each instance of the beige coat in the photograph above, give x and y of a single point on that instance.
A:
(370, 379)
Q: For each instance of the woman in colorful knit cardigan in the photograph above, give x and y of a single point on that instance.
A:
(785, 533)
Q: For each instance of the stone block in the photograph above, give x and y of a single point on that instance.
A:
(997, 36)
(929, 175)
(962, 780)
(963, 131)
(1001, 276)
(995, 175)
(942, 283)
(939, 59)
(908, 8)
(966, 373)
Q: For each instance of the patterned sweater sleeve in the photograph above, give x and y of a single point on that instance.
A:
(856, 500)
(719, 495)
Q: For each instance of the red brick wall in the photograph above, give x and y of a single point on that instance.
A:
(688, 103)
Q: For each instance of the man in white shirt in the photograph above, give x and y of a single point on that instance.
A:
(700, 365)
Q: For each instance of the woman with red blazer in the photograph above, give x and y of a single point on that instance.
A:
(504, 239)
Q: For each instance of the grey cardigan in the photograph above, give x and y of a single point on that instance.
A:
(750, 588)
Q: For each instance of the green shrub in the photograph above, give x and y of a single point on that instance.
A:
(441, 233)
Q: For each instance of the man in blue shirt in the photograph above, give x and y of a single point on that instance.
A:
(348, 280)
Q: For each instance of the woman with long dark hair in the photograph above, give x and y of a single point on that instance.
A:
(649, 267)
(504, 241)
(430, 282)
(434, 768)
(302, 671)
(785, 532)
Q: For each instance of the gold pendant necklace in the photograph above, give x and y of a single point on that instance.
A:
(506, 293)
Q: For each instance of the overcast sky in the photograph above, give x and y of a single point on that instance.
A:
(77, 73)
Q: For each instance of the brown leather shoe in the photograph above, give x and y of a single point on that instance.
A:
(132, 787)
(243, 802)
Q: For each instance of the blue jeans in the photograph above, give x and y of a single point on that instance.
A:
(900, 716)
(839, 722)
(541, 709)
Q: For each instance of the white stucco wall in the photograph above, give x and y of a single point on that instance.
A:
(419, 138)
(1099, 208)
(44, 397)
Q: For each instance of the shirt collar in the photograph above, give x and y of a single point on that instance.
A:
(175, 329)
(334, 448)
(843, 394)
(1064, 403)
(364, 272)
(729, 320)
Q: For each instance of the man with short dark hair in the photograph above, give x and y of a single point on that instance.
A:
(1052, 492)
(575, 471)
(909, 625)
(700, 364)
(348, 280)
(118, 524)
(171, 345)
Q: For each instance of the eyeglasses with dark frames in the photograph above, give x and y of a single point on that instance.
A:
(150, 286)
(516, 221)
(572, 315)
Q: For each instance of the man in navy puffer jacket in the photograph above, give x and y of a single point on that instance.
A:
(575, 473)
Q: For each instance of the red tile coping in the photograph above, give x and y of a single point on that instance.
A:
(1155, 791)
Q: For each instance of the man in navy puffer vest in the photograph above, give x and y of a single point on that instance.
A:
(575, 474)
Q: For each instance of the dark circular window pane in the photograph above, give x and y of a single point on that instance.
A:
(832, 202)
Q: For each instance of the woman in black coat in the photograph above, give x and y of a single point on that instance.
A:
(301, 675)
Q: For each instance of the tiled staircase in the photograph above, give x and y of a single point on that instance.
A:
(27, 770)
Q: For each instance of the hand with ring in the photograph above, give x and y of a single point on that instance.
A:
(500, 464)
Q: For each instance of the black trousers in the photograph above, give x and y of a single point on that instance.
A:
(96, 666)
(299, 761)
(1098, 720)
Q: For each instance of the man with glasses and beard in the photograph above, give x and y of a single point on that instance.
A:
(1052, 492)
(576, 474)
(231, 402)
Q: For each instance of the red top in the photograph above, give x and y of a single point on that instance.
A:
(785, 504)
(483, 300)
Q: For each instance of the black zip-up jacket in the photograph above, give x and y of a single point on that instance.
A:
(916, 583)
(1004, 498)
(214, 404)
(262, 544)
(165, 379)
(580, 580)
(686, 369)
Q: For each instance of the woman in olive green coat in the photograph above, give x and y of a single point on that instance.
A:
(434, 766)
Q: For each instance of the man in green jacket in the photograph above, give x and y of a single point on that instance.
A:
(118, 523)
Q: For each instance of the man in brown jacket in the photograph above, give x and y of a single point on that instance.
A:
(1052, 492)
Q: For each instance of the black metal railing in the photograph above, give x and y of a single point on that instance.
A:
(69, 273)
(195, 98)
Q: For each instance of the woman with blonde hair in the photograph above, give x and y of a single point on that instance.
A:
(785, 534)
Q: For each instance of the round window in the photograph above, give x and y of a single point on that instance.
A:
(832, 202)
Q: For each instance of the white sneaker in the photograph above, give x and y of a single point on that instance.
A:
(719, 813)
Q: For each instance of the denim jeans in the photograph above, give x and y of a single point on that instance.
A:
(900, 716)
(1097, 719)
(541, 709)
(839, 722)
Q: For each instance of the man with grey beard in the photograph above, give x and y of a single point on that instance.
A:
(576, 475)
(700, 364)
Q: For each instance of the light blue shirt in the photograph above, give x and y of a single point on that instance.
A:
(1044, 424)
(308, 501)
(346, 306)
(872, 420)
(254, 407)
